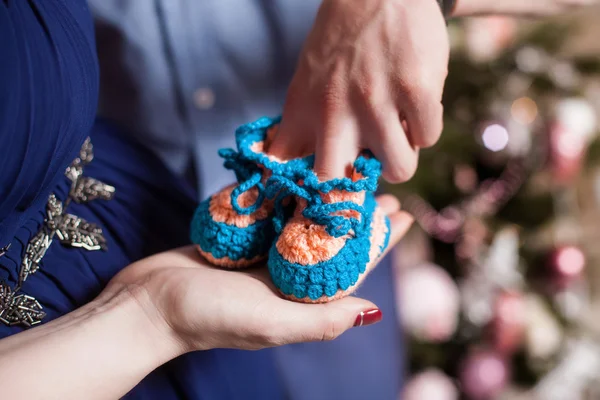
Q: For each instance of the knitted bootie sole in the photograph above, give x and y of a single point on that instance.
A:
(227, 262)
(228, 239)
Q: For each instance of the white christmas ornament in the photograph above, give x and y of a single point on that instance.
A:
(543, 334)
(502, 263)
(564, 74)
(569, 379)
(430, 385)
(429, 302)
(532, 60)
(477, 296)
(578, 117)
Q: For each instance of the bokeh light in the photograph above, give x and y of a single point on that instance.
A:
(524, 110)
(495, 137)
(570, 261)
(577, 116)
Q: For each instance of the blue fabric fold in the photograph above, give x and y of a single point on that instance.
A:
(48, 99)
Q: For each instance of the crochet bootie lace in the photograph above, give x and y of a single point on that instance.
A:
(333, 239)
(233, 228)
(249, 176)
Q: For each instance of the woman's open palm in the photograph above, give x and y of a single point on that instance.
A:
(205, 307)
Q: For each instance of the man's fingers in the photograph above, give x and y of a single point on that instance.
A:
(391, 146)
(337, 147)
(424, 113)
(290, 141)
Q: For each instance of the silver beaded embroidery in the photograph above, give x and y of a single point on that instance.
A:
(4, 249)
(21, 309)
(83, 188)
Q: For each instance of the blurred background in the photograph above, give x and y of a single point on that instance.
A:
(499, 281)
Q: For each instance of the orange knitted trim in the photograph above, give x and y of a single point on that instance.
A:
(221, 210)
(304, 242)
(336, 196)
(379, 232)
(227, 262)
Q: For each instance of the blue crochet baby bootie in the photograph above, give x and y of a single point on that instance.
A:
(335, 237)
(233, 228)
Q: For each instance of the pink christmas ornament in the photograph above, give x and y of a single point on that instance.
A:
(465, 178)
(574, 127)
(428, 302)
(430, 385)
(508, 325)
(566, 151)
(483, 375)
(567, 264)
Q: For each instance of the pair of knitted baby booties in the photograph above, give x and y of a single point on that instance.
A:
(321, 238)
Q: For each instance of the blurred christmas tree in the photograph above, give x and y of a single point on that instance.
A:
(495, 295)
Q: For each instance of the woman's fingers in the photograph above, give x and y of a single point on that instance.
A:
(400, 221)
(319, 322)
(388, 203)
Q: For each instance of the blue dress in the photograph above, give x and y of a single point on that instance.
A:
(48, 99)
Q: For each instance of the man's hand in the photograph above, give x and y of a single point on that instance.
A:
(371, 75)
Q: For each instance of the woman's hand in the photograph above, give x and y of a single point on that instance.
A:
(158, 309)
(200, 307)
(518, 7)
(371, 75)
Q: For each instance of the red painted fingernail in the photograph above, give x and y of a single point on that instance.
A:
(368, 317)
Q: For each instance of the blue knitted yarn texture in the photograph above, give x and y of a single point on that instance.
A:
(294, 178)
(338, 273)
(224, 240)
(342, 271)
(246, 135)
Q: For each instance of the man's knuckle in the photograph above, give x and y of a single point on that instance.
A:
(331, 100)
(406, 86)
(420, 88)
